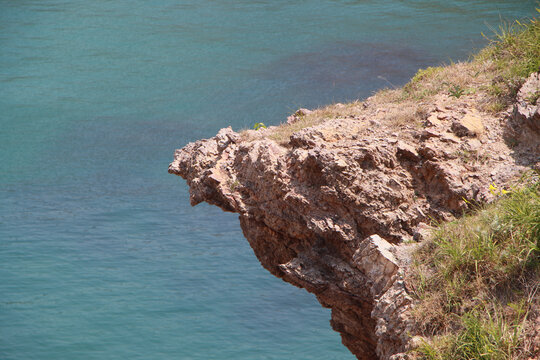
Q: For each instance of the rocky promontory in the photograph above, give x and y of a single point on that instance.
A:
(335, 200)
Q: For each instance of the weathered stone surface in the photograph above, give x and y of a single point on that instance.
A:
(433, 120)
(527, 108)
(328, 210)
(469, 125)
(298, 115)
(375, 259)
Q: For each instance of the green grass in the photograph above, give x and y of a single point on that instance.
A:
(456, 91)
(513, 53)
(425, 73)
(477, 280)
(483, 337)
(533, 98)
(514, 48)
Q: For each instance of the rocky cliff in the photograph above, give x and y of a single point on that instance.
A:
(335, 205)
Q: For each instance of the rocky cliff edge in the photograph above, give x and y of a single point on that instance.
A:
(335, 206)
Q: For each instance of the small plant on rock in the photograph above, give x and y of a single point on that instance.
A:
(533, 98)
(456, 91)
(233, 185)
(259, 126)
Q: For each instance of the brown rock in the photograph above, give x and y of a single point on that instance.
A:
(442, 116)
(405, 151)
(429, 133)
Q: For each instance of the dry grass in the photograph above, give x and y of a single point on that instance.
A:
(494, 75)
(395, 114)
(470, 81)
(336, 111)
(491, 79)
(283, 133)
(436, 80)
(376, 112)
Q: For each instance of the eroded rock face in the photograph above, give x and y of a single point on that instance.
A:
(330, 210)
(527, 106)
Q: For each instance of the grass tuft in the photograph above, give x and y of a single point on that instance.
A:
(514, 48)
(514, 53)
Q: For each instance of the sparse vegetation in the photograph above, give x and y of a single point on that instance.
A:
(498, 70)
(455, 80)
(456, 91)
(533, 98)
(472, 156)
(425, 73)
(233, 185)
(284, 132)
(477, 280)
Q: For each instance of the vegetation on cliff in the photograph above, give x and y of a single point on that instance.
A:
(477, 280)
(497, 71)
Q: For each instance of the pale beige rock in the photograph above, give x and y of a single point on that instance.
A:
(375, 259)
(298, 115)
(449, 137)
(469, 125)
(433, 120)
(422, 232)
(473, 144)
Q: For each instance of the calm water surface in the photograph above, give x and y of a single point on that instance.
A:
(101, 256)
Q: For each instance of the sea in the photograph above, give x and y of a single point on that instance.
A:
(101, 255)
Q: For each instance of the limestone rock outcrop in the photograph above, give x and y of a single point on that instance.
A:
(332, 207)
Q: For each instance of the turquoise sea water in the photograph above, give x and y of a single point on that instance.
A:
(101, 256)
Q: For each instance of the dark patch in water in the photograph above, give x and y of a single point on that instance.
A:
(347, 71)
